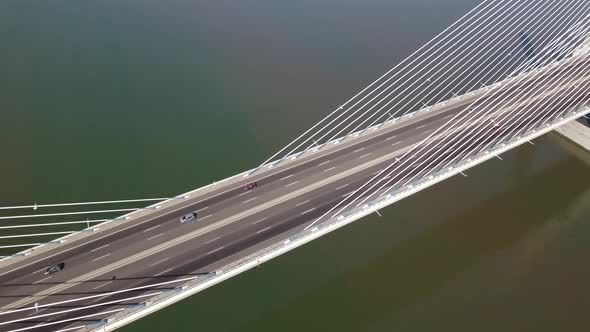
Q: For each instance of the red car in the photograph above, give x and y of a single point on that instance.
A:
(250, 186)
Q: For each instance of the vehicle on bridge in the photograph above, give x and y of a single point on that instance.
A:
(250, 186)
(55, 268)
(188, 217)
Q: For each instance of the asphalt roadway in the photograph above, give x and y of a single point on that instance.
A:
(231, 224)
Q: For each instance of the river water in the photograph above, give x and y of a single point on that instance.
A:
(123, 99)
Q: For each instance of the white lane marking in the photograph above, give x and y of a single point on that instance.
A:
(43, 269)
(149, 229)
(302, 203)
(96, 249)
(155, 236)
(207, 216)
(264, 230)
(365, 155)
(346, 185)
(358, 150)
(245, 192)
(41, 280)
(214, 250)
(249, 200)
(286, 177)
(170, 269)
(101, 257)
(102, 285)
(215, 239)
(256, 222)
(329, 169)
(422, 126)
(392, 137)
(203, 209)
(325, 162)
(160, 261)
(346, 195)
(292, 183)
(308, 211)
(396, 143)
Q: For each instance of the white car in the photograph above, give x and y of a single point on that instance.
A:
(188, 217)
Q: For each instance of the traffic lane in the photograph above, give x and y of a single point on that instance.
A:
(117, 234)
(233, 192)
(197, 260)
(88, 260)
(277, 222)
(174, 222)
(320, 195)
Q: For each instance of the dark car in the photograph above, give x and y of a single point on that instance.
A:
(251, 186)
(55, 268)
(187, 217)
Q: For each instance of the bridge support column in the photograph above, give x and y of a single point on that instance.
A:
(577, 132)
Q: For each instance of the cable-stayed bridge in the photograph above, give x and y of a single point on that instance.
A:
(505, 73)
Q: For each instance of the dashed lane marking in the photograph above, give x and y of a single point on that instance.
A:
(249, 200)
(260, 220)
(102, 285)
(155, 236)
(346, 185)
(149, 229)
(160, 261)
(215, 250)
(96, 249)
(392, 137)
(308, 211)
(215, 239)
(302, 203)
(101, 257)
(36, 282)
(165, 271)
(288, 176)
(264, 230)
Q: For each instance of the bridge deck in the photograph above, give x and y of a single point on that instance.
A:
(577, 133)
(231, 223)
